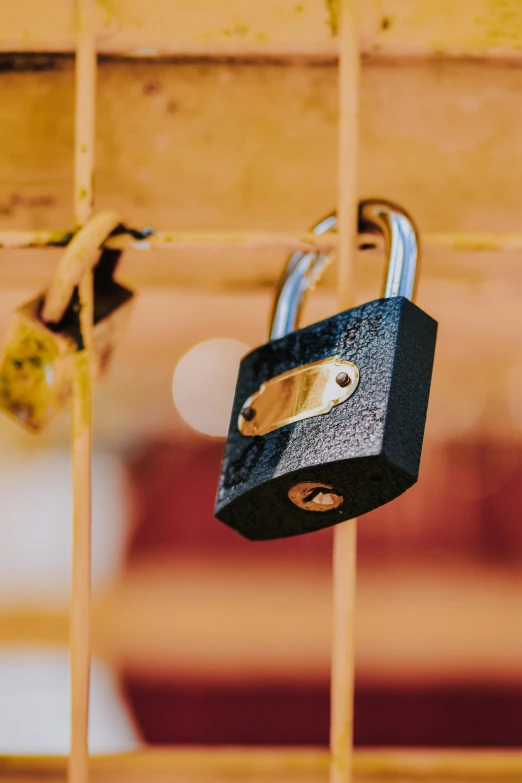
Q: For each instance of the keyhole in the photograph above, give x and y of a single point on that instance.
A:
(311, 496)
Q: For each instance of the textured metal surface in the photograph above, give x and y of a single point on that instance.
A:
(368, 448)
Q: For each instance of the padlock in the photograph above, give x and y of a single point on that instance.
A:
(36, 368)
(328, 421)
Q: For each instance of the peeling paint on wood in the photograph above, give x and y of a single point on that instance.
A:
(285, 28)
(332, 7)
(178, 151)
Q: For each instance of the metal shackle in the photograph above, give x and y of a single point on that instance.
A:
(304, 269)
(81, 255)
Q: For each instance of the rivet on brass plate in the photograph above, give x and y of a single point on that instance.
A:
(248, 414)
(311, 496)
(343, 379)
(306, 391)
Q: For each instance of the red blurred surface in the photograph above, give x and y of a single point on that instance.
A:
(277, 715)
(465, 507)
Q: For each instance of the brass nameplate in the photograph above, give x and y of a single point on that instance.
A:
(302, 393)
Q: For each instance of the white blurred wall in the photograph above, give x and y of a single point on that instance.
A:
(35, 564)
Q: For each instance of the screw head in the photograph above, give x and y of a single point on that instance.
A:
(343, 379)
(248, 413)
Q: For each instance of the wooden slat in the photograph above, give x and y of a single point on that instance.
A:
(282, 28)
(274, 765)
(205, 149)
(344, 555)
(236, 241)
(81, 424)
(432, 625)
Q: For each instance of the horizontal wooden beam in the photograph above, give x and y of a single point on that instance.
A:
(265, 764)
(180, 242)
(140, 625)
(209, 242)
(188, 146)
(274, 28)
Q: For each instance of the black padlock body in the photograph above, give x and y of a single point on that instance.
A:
(367, 448)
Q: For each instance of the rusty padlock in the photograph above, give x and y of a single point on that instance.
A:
(36, 368)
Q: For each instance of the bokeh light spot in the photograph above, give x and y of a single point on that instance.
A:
(204, 384)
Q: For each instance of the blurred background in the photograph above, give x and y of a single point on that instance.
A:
(200, 636)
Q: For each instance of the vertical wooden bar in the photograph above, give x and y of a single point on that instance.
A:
(347, 193)
(81, 409)
(79, 633)
(84, 112)
(345, 534)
